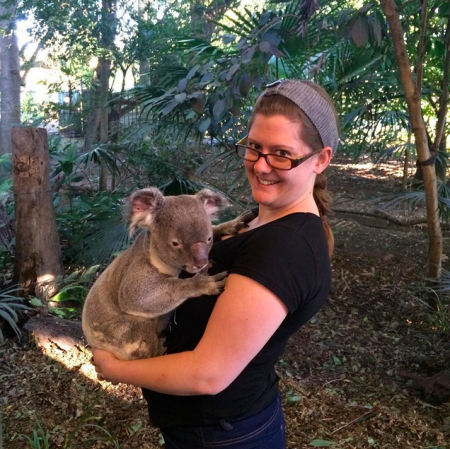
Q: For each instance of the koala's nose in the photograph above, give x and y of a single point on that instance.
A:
(199, 254)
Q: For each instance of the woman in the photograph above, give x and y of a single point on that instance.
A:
(217, 386)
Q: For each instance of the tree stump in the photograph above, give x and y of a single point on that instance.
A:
(38, 254)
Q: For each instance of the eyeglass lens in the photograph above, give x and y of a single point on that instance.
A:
(273, 160)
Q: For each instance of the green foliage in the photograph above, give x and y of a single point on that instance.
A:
(416, 200)
(39, 438)
(71, 165)
(10, 305)
(31, 111)
(439, 311)
(75, 286)
(338, 46)
(439, 314)
(88, 226)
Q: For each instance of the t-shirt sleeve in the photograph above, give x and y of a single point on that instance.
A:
(281, 260)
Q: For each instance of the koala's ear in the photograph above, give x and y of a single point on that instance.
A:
(142, 206)
(212, 202)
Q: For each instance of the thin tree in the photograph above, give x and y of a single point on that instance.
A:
(412, 89)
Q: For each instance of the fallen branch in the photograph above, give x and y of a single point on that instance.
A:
(363, 417)
(380, 216)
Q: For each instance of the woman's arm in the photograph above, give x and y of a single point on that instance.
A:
(245, 316)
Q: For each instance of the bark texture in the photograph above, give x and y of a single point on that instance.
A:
(413, 100)
(9, 78)
(38, 254)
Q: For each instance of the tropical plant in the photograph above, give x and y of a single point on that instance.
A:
(10, 305)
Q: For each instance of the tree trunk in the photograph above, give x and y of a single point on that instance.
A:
(406, 164)
(413, 98)
(38, 255)
(9, 80)
(104, 128)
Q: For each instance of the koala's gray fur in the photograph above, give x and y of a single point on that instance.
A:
(129, 305)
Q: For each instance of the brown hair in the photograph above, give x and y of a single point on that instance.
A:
(280, 105)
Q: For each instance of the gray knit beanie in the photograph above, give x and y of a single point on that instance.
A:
(317, 108)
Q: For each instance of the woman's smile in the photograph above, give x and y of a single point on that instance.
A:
(267, 182)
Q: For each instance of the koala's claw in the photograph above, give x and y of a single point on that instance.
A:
(247, 217)
(234, 226)
(220, 276)
(211, 285)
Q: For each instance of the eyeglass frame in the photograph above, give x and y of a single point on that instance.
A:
(294, 162)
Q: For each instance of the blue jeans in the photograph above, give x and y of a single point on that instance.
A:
(265, 430)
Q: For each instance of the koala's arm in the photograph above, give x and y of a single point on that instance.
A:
(232, 227)
(244, 318)
(149, 294)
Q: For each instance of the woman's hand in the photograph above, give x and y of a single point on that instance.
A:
(104, 363)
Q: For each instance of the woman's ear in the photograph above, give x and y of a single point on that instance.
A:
(323, 160)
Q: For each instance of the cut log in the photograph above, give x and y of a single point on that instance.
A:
(38, 254)
(48, 331)
(435, 389)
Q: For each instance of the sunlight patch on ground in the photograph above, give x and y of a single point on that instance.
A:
(372, 170)
(79, 360)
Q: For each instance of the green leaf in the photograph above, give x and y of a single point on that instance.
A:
(180, 97)
(207, 77)
(192, 72)
(170, 107)
(204, 125)
(265, 17)
(232, 71)
(219, 109)
(248, 54)
(293, 399)
(36, 302)
(228, 38)
(265, 46)
(11, 322)
(360, 32)
(242, 43)
(322, 443)
(182, 85)
(376, 28)
(244, 84)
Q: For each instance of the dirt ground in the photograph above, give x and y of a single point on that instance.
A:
(340, 376)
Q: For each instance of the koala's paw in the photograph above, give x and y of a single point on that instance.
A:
(234, 226)
(211, 285)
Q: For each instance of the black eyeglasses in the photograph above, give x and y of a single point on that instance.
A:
(273, 160)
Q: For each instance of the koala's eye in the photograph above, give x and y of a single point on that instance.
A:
(175, 243)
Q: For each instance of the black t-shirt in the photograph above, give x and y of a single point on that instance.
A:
(289, 256)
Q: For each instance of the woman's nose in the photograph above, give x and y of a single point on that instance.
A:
(261, 166)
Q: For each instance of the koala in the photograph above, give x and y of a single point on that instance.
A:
(131, 302)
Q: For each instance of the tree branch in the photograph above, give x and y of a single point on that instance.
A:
(442, 114)
(30, 63)
(421, 52)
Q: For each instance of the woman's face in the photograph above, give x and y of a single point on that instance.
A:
(282, 189)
